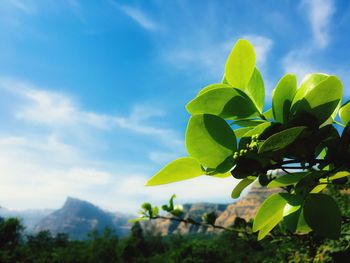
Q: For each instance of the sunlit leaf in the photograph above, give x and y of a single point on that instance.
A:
(257, 130)
(178, 170)
(295, 222)
(286, 179)
(274, 220)
(344, 113)
(240, 64)
(337, 175)
(283, 96)
(236, 192)
(319, 95)
(282, 139)
(239, 133)
(213, 86)
(209, 139)
(271, 210)
(255, 90)
(223, 102)
(268, 114)
(247, 122)
(318, 188)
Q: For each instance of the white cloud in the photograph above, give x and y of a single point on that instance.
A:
(298, 62)
(262, 46)
(139, 17)
(26, 7)
(136, 122)
(320, 13)
(58, 110)
(53, 150)
(210, 58)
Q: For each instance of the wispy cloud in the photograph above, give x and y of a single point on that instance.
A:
(139, 17)
(59, 110)
(262, 47)
(56, 147)
(301, 61)
(26, 7)
(206, 57)
(320, 14)
(136, 122)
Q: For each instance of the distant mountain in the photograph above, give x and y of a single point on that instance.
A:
(77, 218)
(29, 218)
(246, 208)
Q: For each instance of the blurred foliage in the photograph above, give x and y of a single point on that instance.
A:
(143, 246)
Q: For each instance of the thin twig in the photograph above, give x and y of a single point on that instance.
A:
(191, 221)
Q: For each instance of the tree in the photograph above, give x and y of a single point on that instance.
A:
(299, 144)
(10, 233)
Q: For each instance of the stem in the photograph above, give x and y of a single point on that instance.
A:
(263, 117)
(187, 221)
(338, 123)
(284, 170)
(280, 165)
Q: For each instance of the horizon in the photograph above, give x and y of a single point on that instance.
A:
(93, 94)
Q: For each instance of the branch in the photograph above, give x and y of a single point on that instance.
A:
(311, 164)
(191, 221)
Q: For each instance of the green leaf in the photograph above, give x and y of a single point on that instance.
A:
(337, 175)
(259, 129)
(322, 214)
(255, 90)
(241, 131)
(268, 114)
(223, 102)
(271, 211)
(344, 113)
(295, 222)
(213, 86)
(209, 218)
(289, 209)
(155, 211)
(274, 220)
(286, 179)
(282, 139)
(210, 140)
(309, 82)
(240, 64)
(319, 97)
(318, 188)
(135, 220)
(178, 170)
(236, 192)
(283, 96)
(247, 122)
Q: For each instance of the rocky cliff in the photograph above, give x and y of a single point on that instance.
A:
(245, 208)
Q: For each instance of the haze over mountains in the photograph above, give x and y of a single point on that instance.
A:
(78, 217)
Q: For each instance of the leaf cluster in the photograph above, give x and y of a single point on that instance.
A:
(294, 144)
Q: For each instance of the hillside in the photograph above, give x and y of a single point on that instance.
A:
(77, 218)
(245, 207)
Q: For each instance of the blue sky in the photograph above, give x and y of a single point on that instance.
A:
(92, 93)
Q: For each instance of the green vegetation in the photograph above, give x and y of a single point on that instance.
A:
(294, 145)
(145, 246)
